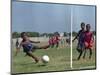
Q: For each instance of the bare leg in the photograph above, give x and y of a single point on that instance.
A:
(17, 51)
(78, 50)
(80, 55)
(34, 57)
(90, 53)
(52, 45)
(43, 47)
(84, 54)
(57, 45)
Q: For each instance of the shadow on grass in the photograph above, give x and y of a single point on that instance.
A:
(75, 59)
(41, 65)
(27, 63)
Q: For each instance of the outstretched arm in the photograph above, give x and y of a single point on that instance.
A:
(76, 37)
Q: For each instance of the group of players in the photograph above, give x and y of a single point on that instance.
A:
(54, 41)
(84, 36)
(85, 40)
(58, 41)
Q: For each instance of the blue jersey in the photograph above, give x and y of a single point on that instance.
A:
(27, 47)
(81, 36)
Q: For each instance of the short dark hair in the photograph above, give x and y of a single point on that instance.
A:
(88, 25)
(82, 24)
(23, 34)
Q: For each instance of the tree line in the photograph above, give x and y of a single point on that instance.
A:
(37, 34)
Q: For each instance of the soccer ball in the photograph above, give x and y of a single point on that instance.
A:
(45, 59)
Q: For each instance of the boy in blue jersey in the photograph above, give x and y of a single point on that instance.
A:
(80, 37)
(28, 47)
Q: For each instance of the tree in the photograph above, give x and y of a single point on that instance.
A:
(50, 34)
(56, 33)
(15, 35)
(94, 32)
(74, 33)
(65, 34)
(33, 34)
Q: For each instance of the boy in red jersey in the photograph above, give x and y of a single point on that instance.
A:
(51, 42)
(88, 40)
(56, 40)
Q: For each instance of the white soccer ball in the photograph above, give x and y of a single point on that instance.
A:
(45, 59)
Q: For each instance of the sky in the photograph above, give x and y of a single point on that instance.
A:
(84, 14)
(43, 17)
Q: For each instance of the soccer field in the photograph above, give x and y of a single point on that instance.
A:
(59, 60)
(83, 63)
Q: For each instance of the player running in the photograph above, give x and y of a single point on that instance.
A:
(54, 41)
(17, 43)
(28, 47)
(88, 40)
(80, 37)
(51, 44)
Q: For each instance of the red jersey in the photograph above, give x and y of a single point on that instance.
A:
(56, 39)
(88, 36)
(88, 39)
(50, 41)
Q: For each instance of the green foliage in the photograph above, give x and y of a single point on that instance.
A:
(44, 34)
(15, 35)
(37, 34)
(65, 34)
(94, 32)
(30, 34)
(56, 33)
(50, 34)
(74, 33)
(33, 34)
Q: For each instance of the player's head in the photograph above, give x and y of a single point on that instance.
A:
(83, 25)
(88, 27)
(24, 35)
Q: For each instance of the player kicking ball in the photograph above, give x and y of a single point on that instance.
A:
(28, 47)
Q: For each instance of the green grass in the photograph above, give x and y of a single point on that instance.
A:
(83, 63)
(59, 61)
